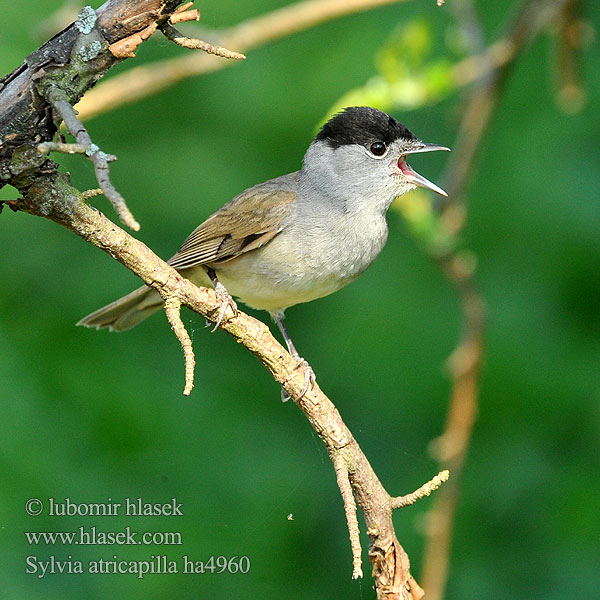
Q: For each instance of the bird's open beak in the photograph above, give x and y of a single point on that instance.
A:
(413, 176)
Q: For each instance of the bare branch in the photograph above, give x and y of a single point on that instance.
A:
(450, 449)
(172, 310)
(184, 17)
(47, 147)
(193, 44)
(126, 47)
(341, 474)
(57, 98)
(424, 490)
(87, 194)
(183, 14)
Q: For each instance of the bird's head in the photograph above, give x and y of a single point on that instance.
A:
(361, 153)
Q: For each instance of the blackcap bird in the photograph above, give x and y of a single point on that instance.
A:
(300, 236)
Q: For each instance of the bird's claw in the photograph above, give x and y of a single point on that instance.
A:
(224, 301)
(309, 379)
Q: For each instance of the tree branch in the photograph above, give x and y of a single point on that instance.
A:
(425, 490)
(60, 72)
(193, 44)
(343, 480)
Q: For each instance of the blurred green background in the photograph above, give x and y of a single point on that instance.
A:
(91, 415)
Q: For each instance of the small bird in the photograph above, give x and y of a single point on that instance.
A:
(300, 236)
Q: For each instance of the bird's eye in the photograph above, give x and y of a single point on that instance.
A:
(377, 148)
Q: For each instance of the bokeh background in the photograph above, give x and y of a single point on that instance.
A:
(91, 415)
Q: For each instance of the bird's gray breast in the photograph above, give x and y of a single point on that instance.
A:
(332, 243)
(322, 246)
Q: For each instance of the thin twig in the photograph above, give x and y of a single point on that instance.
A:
(184, 17)
(172, 310)
(126, 47)
(87, 194)
(343, 481)
(452, 446)
(424, 490)
(183, 8)
(47, 147)
(183, 14)
(193, 44)
(100, 160)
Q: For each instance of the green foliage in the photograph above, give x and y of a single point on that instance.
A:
(424, 222)
(409, 74)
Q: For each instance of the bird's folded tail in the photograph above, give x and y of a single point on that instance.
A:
(126, 312)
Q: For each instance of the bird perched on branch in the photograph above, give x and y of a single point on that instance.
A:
(300, 236)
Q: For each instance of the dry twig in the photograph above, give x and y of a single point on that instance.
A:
(341, 473)
(58, 100)
(185, 13)
(425, 490)
(87, 194)
(193, 44)
(172, 310)
(126, 47)
(47, 193)
(451, 447)
(47, 147)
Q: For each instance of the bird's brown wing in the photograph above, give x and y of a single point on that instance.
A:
(245, 223)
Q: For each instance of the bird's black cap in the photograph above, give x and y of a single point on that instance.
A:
(362, 125)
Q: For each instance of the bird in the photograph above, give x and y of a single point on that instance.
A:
(300, 236)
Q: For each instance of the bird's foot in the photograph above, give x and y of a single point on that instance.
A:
(309, 379)
(224, 301)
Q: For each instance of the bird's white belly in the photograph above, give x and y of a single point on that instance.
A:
(289, 270)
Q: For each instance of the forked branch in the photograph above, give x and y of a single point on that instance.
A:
(58, 100)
